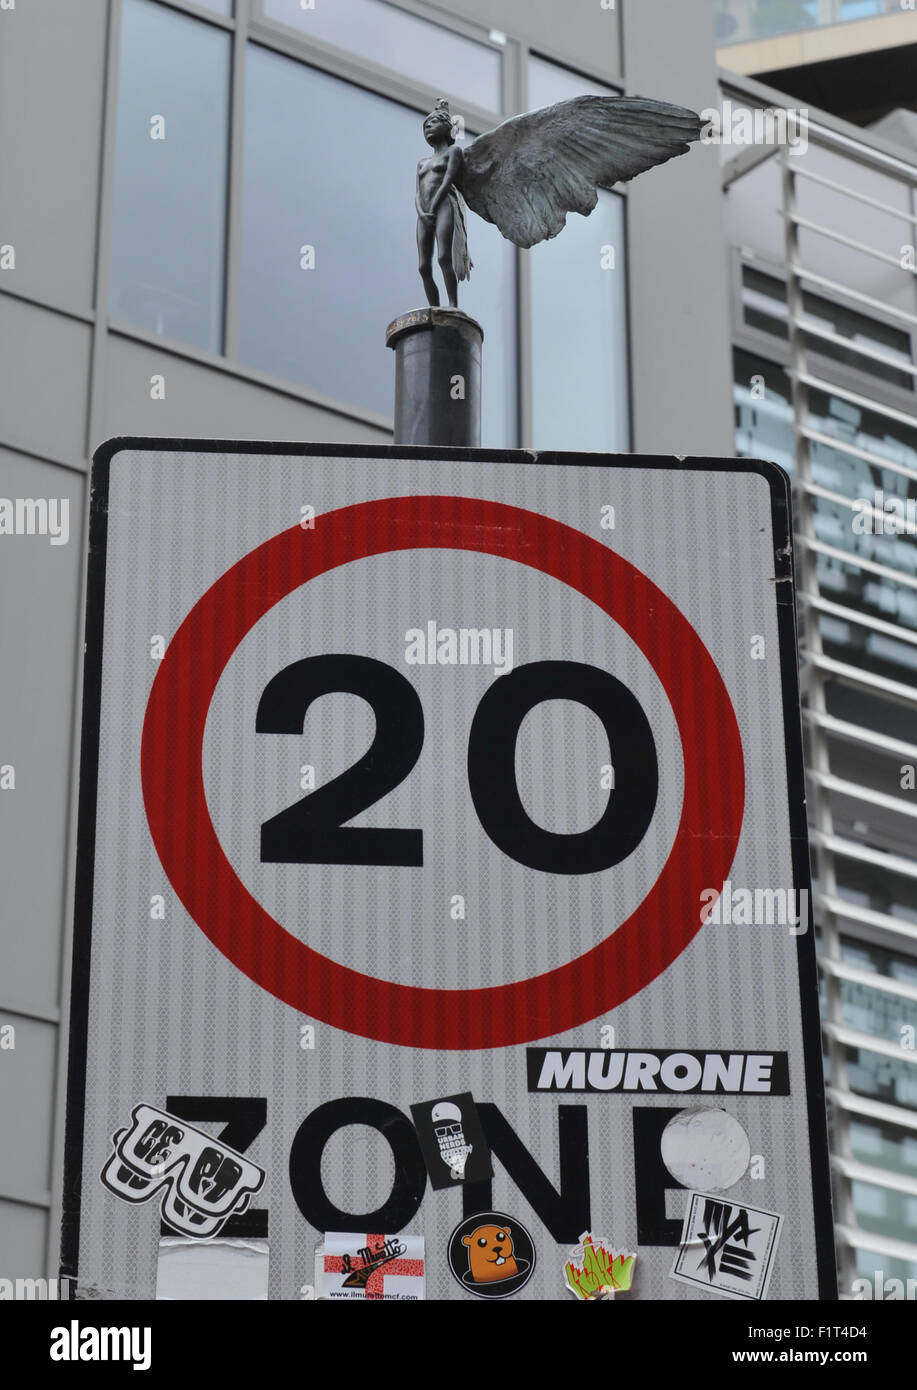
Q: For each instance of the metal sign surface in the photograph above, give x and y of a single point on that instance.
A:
(443, 881)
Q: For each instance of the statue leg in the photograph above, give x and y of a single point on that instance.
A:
(445, 231)
(426, 239)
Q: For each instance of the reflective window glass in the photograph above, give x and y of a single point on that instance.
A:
(862, 883)
(404, 42)
(881, 529)
(883, 1078)
(880, 1269)
(884, 1211)
(550, 83)
(738, 21)
(170, 176)
(883, 1146)
(874, 1011)
(764, 427)
(764, 309)
(329, 249)
(764, 414)
(580, 366)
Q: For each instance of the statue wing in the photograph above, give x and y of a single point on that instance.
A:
(526, 175)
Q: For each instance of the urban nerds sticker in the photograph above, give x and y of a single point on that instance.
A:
(491, 1255)
(452, 1140)
(727, 1247)
(204, 1181)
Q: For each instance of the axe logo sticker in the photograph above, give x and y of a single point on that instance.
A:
(203, 1182)
(727, 1247)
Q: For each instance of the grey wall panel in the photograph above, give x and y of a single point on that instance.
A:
(576, 30)
(48, 180)
(44, 379)
(202, 402)
(26, 1102)
(23, 1232)
(39, 608)
(680, 345)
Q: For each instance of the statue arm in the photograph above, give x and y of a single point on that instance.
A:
(450, 179)
(417, 203)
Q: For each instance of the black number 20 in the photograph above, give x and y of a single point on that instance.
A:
(313, 830)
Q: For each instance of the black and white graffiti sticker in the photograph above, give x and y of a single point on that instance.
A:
(203, 1182)
(727, 1247)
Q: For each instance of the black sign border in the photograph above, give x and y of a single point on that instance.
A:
(781, 513)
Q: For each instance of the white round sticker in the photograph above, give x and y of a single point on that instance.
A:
(705, 1149)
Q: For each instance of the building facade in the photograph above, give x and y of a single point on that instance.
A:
(207, 222)
(824, 323)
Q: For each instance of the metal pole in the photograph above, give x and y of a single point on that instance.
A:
(437, 377)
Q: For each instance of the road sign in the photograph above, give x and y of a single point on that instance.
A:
(442, 874)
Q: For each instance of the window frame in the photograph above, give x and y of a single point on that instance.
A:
(116, 325)
(524, 294)
(829, 369)
(249, 24)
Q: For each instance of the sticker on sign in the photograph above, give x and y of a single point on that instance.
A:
(396, 763)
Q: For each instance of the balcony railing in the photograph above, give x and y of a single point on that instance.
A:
(742, 21)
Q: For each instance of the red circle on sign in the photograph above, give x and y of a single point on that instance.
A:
(654, 935)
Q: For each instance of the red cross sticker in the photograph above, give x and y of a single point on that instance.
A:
(375, 1285)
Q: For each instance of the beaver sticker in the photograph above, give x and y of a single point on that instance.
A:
(491, 1254)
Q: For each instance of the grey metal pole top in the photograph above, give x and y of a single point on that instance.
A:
(420, 319)
(437, 377)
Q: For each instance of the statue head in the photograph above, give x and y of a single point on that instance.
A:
(438, 125)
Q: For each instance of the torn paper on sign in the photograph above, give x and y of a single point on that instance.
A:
(706, 1149)
(727, 1247)
(215, 1269)
(370, 1267)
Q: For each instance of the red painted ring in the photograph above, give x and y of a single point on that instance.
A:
(641, 948)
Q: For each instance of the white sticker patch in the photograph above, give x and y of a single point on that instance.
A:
(706, 1149)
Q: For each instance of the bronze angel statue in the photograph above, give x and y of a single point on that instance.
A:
(526, 175)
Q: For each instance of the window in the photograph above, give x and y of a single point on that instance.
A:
(737, 21)
(764, 422)
(328, 242)
(580, 373)
(882, 1268)
(170, 177)
(874, 1011)
(764, 309)
(884, 1211)
(883, 1078)
(385, 34)
(883, 1145)
(764, 413)
(873, 885)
